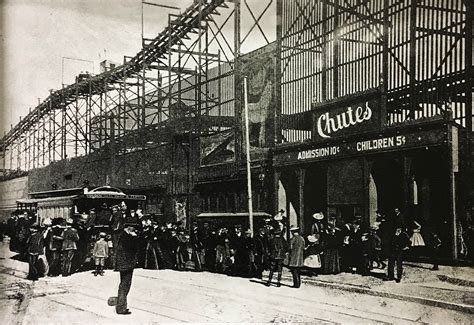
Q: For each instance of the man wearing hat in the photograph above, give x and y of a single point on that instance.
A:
(116, 223)
(296, 255)
(35, 248)
(104, 215)
(400, 242)
(126, 260)
(278, 248)
(70, 238)
(55, 243)
(100, 252)
(260, 244)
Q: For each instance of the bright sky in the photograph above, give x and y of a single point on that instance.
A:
(35, 36)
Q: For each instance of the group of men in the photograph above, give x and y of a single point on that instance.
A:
(58, 242)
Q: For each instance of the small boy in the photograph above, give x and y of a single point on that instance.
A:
(376, 249)
(101, 252)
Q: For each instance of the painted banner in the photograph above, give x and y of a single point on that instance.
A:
(217, 148)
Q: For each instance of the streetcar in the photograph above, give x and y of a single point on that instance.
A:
(90, 211)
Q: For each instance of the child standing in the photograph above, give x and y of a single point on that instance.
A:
(101, 252)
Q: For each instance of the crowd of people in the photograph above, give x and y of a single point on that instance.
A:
(328, 247)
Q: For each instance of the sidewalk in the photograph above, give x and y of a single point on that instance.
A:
(450, 287)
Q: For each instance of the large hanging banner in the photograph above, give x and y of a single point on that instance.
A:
(258, 68)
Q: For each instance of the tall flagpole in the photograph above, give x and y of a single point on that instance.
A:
(247, 149)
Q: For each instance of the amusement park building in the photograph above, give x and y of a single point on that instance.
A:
(356, 107)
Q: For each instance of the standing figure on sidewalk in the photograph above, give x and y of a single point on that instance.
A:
(55, 243)
(375, 249)
(35, 248)
(331, 242)
(278, 250)
(312, 261)
(101, 252)
(434, 244)
(416, 238)
(260, 252)
(70, 237)
(222, 251)
(399, 244)
(126, 260)
(296, 256)
(116, 223)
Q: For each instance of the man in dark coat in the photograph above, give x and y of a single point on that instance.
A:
(237, 245)
(260, 244)
(296, 256)
(278, 248)
(116, 223)
(35, 248)
(399, 244)
(70, 237)
(126, 260)
(55, 242)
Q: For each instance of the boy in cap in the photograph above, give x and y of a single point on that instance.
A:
(101, 252)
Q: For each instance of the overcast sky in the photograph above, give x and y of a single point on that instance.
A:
(36, 35)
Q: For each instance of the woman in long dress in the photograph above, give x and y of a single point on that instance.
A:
(331, 240)
(312, 260)
(417, 239)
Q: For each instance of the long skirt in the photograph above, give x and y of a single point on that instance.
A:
(330, 261)
(417, 240)
(312, 261)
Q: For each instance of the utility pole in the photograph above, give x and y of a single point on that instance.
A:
(247, 149)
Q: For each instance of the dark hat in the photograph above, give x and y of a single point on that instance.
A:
(104, 205)
(239, 226)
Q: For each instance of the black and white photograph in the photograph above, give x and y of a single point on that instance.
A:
(236, 161)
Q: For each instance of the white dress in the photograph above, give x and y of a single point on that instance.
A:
(312, 261)
(416, 239)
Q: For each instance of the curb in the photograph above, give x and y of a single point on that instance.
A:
(425, 301)
(456, 281)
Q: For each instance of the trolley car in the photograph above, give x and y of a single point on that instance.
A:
(89, 210)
